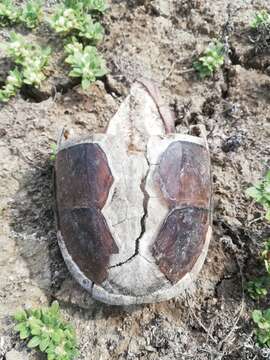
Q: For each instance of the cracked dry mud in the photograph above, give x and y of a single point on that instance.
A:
(151, 39)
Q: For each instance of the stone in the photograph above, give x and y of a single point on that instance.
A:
(16, 355)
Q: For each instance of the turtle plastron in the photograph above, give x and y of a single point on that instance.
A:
(134, 204)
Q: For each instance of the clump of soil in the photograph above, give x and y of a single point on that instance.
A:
(155, 39)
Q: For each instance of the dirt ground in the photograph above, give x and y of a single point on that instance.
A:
(156, 39)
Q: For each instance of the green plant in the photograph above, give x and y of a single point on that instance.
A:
(210, 61)
(90, 30)
(53, 151)
(87, 5)
(260, 34)
(262, 331)
(30, 56)
(64, 20)
(13, 84)
(266, 256)
(86, 63)
(96, 5)
(44, 328)
(260, 192)
(261, 18)
(8, 12)
(75, 21)
(30, 60)
(31, 14)
(257, 288)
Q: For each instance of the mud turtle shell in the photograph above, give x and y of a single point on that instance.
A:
(134, 204)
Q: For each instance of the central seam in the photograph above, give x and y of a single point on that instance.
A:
(143, 218)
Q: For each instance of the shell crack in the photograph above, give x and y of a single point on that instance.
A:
(143, 218)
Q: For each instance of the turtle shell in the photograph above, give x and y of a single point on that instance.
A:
(134, 204)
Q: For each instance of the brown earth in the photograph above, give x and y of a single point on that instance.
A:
(156, 39)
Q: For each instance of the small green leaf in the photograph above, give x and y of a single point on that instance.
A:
(253, 192)
(44, 344)
(34, 342)
(266, 315)
(257, 316)
(53, 152)
(51, 357)
(37, 314)
(85, 84)
(24, 334)
(267, 215)
(264, 325)
(57, 336)
(20, 316)
(263, 337)
(75, 73)
(21, 327)
(35, 330)
(260, 19)
(46, 316)
(55, 304)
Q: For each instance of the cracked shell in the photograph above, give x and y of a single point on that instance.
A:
(134, 204)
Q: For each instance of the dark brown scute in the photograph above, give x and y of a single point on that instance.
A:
(184, 180)
(183, 175)
(83, 182)
(88, 240)
(180, 241)
(83, 176)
